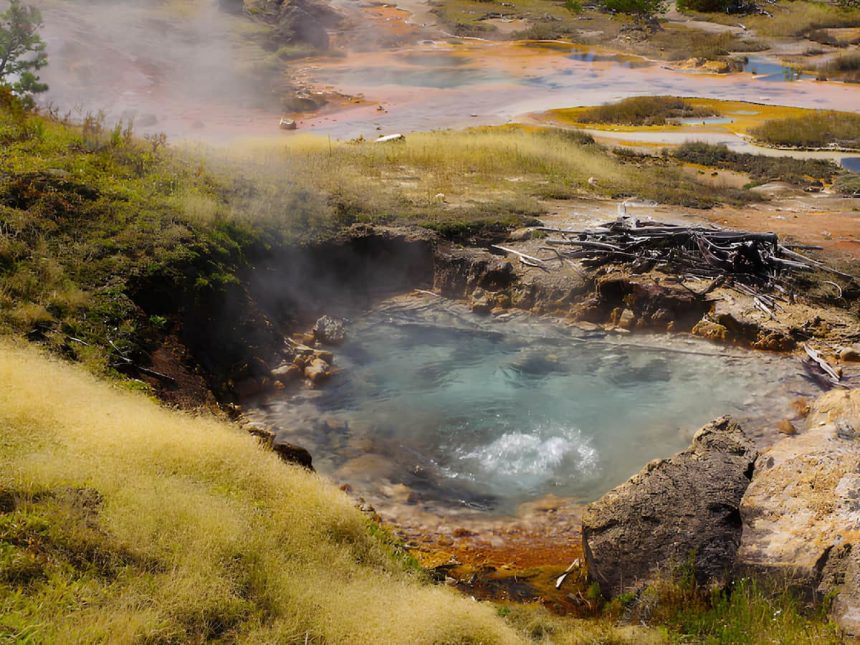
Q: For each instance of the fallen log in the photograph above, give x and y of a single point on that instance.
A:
(537, 262)
(822, 363)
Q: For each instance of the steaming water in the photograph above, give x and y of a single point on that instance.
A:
(476, 412)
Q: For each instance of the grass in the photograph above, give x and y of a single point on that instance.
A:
(816, 130)
(121, 521)
(745, 612)
(644, 110)
(844, 68)
(452, 179)
(675, 42)
(792, 18)
(760, 168)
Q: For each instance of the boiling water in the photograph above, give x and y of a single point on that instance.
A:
(451, 410)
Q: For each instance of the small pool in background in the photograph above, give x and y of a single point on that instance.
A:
(768, 69)
(850, 163)
(708, 120)
(449, 410)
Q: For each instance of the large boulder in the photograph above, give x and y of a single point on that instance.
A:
(671, 511)
(801, 513)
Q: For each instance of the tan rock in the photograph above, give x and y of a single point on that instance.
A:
(801, 514)
(317, 371)
(710, 330)
(287, 373)
(370, 466)
(786, 427)
(717, 66)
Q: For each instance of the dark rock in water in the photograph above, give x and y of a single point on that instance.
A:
(673, 510)
(294, 454)
(329, 330)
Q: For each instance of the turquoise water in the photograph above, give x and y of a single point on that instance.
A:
(475, 412)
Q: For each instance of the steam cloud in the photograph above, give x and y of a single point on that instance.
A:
(173, 66)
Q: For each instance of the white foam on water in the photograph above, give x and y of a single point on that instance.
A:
(530, 459)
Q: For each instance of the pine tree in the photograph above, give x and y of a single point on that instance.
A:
(22, 51)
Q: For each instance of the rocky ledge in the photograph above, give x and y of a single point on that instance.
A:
(801, 513)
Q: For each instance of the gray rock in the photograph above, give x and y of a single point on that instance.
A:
(330, 330)
(672, 510)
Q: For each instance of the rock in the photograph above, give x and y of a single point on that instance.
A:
(330, 331)
(262, 431)
(850, 354)
(801, 513)
(717, 66)
(673, 509)
(626, 319)
(305, 21)
(710, 330)
(522, 234)
(287, 124)
(786, 427)
(369, 467)
(317, 371)
(287, 373)
(294, 454)
(481, 304)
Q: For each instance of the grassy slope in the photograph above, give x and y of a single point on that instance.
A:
(121, 521)
(125, 521)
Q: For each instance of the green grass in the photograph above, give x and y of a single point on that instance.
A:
(760, 168)
(643, 110)
(751, 613)
(818, 130)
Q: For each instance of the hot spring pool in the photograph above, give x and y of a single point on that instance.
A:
(437, 407)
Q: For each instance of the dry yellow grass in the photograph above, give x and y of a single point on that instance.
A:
(122, 522)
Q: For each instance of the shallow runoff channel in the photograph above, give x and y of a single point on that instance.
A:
(447, 411)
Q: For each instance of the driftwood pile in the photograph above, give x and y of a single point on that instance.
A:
(753, 259)
(756, 264)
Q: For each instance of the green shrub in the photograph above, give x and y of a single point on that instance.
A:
(818, 130)
(644, 110)
(760, 168)
(845, 68)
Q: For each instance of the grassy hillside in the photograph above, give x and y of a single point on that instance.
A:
(122, 521)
